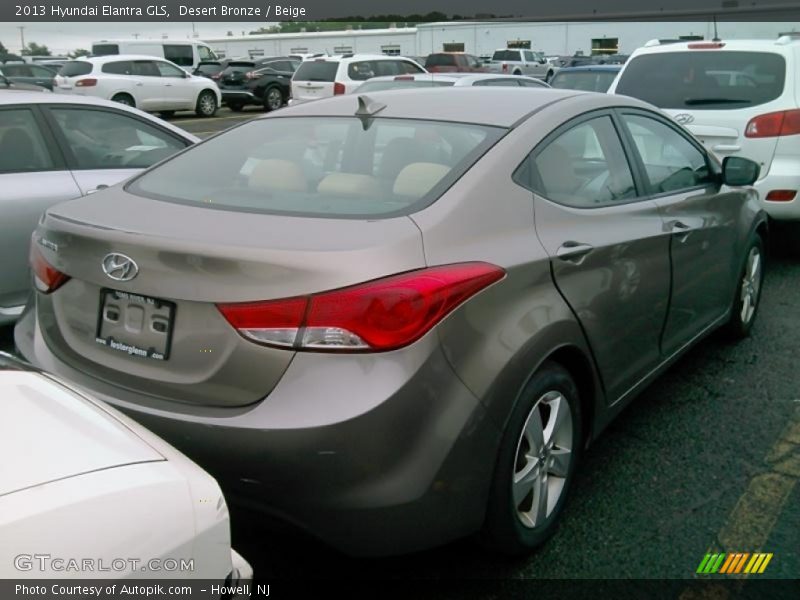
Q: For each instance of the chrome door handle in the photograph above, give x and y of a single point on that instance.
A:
(102, 186)
(139, 83)
(573, 251)
(726, 148)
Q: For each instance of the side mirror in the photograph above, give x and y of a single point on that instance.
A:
(738, 171)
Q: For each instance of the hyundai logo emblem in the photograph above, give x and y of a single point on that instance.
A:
(684, 118)
(120, 267)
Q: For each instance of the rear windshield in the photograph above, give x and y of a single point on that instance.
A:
(440, 60)
(506, 55)
(73, 69)
(239, 67)
(317, 70)
(209, 69)
(706, 79)
(321, 166)
(398, 84)
(105, 49)
(587, 81)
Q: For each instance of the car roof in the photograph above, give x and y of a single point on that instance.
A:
(613, 68)
(457, 76)
(24, 97)
(782, 45)
(500, 107)
(97, 60)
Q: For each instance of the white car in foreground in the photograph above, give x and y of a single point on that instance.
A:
(87, 493)
(738, 97)
(145, 82)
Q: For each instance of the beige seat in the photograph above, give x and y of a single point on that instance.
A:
(350, 185)
(417, 179)
(277, 175)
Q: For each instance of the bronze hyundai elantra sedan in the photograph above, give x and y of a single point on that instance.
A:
(395, 320)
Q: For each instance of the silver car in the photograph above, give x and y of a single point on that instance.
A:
(395, 320)
(55, 148)
(432, 80)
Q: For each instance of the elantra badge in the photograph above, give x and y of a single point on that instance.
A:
(120, 267)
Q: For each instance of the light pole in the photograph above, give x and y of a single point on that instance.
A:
(22, 37)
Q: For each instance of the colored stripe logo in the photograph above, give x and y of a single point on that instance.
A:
(732, 563)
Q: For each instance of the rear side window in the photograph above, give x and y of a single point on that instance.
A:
(322, 166)
(506, 55)
(180, 54)
(22, 147)
(440, 60)
(317, 70)
(105, 49)
(707, 79)
(75, 68)
(102, 139)
(584, 167)
(146, 68)
(16, 71)
(123, 67)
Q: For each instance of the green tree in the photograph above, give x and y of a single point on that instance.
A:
(34, 49)
(79, 52)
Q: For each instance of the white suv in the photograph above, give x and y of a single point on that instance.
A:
(739, 97)
(335, 75)
(148, 83)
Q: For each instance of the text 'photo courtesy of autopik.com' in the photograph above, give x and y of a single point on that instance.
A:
(422, 299)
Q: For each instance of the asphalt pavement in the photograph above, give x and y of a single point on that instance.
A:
(706, 460)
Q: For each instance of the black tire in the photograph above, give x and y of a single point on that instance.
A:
(548, 77)
(167, 114)
(273, 98)
(236, 106)
(206, 104)
(508, 527)
(124, 99)
(747, 297)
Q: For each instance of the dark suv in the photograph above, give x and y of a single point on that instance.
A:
(265, 81)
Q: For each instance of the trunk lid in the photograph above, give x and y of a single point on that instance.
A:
(190, 258)
(72, 435)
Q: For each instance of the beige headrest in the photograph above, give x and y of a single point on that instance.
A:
(276, 174)
(353, 185)
(417, 179)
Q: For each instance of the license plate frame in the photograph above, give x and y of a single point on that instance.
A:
(134, 314)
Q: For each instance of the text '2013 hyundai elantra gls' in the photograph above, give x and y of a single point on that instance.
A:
(395, 320)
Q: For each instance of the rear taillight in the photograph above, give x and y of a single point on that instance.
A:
(781, 195)
(216, 76)
(88, 82)
(384, 314)
(783, 122)
(338, 89)
(404, 78)
(46, 277)
(252, 75)
(505, 68)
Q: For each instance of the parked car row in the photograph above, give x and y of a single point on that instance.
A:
(448, 294)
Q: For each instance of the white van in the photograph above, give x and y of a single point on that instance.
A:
(186, 55)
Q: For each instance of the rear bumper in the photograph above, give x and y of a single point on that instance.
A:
(372, 454)
(784, 174)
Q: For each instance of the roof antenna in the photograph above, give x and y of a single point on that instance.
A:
(367, 109)
(716, 35)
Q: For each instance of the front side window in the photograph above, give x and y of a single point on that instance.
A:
(180, 54)
(168, 70)
(102, 139)
(205, 53)
(17, 71)
(584, 167)
(671, 161)
(321, 166)
(22, 147)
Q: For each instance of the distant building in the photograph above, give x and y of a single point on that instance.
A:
(482, 38)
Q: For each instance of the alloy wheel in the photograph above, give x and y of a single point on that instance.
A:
(274, 99)
(751, 284)
(543, 458)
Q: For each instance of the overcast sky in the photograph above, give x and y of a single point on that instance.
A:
(64, 37)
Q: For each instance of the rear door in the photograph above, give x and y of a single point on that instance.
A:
(609, 252)
(103, 146)
(682, 181)
(33, 177)
(314, 80)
